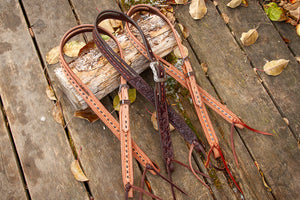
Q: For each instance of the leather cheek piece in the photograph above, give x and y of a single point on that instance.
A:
(90, 98)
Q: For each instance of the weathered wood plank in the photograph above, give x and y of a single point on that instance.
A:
(11, 184)
(100, 76)
(100, 157)
(138, 130)
(41, 143)
(236, 83)
(220, 185)
(269, 46)
(149, 140)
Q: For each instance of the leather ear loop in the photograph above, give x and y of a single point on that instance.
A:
(130, 75)
(108, 52)
(160, 101)
(123, 71)
(96, 105)
(206, 97)
(148, 167)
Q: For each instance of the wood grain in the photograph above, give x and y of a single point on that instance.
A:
(100, 76)
(40, 142)
(236, 83)
(270, 46)
(11, 184)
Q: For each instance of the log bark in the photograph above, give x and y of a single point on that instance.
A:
(97, 73)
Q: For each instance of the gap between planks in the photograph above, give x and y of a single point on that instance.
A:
(16, 155)
(46, 74)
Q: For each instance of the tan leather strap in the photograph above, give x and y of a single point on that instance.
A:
(98, 107)
(199, 95)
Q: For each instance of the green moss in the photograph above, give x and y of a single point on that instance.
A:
(212, 173)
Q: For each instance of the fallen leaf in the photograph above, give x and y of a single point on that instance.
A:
(274, 12)
(169, 8)
(171, 17)
(57, 113)
(87, 114)
(197, 9)
(249, 37)
(298, 58)
(77, 171)
(87, 48)
(225, 18)
(72, 48)
(181, 1)
(295, 13)
(52, 57)
(234, 3)
(184, 30)
(131, 97)
(245, 3)
(154, 122)
(204, 68)
(50, 93)
(286, 121)
(262, 177)
(275, 67)
(178, 54)
(107, 25)
(298, 29)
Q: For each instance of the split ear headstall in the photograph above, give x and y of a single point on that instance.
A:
(157, 96)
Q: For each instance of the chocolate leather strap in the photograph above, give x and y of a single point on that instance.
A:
(100, 110)
(135, 80)
(189, 78)
(158, 97)
(184, 80)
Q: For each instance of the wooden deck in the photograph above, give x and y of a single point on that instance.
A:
(36, 151)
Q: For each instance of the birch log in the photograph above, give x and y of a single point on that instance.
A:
(97, 73)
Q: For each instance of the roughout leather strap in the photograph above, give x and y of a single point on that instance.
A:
(136, 81)
(98, 107)
(190, 83)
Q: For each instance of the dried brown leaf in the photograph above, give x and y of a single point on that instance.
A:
(154, 122)
(87, 114)
(181, 1)
(52, 57)
(298, 29)
(87, 48)
(249, 37)
(77, 171)
(234, 3)
(72, 48)
(204, 68)
(225, 18)
(50, 93)
(275, 67)
(286, 121)
(184, 30)
(171, 17)
(107, 25)
(57, 113)
(295, 13)
(197, 9)
(245, 3)
(178, 54)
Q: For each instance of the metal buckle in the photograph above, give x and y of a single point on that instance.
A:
(124, 101)
(153, 66)
(189, 74)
